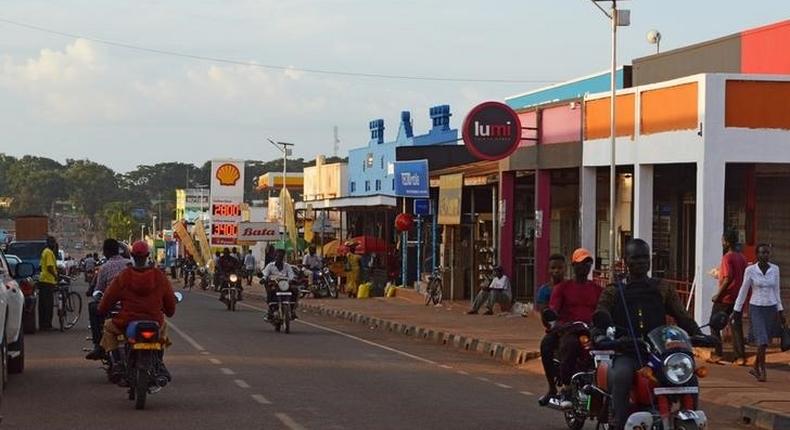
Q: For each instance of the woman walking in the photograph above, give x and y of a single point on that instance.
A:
(352, 269)
(765, 306)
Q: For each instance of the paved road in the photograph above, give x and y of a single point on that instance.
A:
(234, 371)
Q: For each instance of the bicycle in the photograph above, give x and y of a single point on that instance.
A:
(68, 305)
(434, 291)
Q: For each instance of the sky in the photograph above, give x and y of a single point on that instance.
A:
(72, 97)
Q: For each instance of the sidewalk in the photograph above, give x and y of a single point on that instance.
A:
(515, 340)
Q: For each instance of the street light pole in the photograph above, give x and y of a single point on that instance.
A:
(613, 137)
(285, 147)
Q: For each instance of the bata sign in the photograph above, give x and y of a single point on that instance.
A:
(258, 231)
(492, 131)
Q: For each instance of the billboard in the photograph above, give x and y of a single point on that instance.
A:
(450, 191)
(259, 232)
(227, 195)
(411, 179)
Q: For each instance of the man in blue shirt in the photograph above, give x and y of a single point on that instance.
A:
(557, 273)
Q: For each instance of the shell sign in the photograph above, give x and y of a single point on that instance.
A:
(228, 175)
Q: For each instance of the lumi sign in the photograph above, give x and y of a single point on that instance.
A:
(491, 131)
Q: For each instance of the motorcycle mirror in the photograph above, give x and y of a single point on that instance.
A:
(97, 295)
(179, 297)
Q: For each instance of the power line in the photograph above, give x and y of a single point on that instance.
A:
(269, 66)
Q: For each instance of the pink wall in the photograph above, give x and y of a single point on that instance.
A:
(561, 124)
(507, 188)
(528, 119)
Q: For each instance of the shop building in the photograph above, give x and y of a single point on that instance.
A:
(696, 155)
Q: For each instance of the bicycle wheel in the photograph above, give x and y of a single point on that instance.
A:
(72, 309)
(60, 307)
(437, 294)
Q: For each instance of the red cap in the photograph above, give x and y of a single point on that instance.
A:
(140, 249)
(580, 255)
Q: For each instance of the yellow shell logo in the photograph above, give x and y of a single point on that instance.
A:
(228, 175)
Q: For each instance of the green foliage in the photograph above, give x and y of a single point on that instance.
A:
(117, 220)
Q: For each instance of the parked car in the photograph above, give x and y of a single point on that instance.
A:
(29, 251)
(12, 303)
(28, 286)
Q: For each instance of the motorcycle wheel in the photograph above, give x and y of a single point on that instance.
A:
(277, 327)
(233, 304)
(140, 389)
(574, 422)
(686, 425)
(287, 318)
(333, 293)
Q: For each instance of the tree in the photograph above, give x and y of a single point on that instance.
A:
(34, 183)
(118, 222)
(91, 186)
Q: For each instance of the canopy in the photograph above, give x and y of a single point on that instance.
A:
(367, 245)
(332, 249)
(301, 244)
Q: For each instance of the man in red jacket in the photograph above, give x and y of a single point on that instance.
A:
(144, 293)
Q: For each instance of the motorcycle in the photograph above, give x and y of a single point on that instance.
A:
(230, 291)
(281, 313)
(665, 391)
(202, 272)
(324, 283)
(189, 276)
(137, 364)
(577, 400)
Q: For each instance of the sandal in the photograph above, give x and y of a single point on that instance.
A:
(756, 373)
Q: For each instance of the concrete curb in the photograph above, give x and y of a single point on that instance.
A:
(500, 352)
(763, 418)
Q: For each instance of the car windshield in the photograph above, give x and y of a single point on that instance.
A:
(12, 260)
(26, 250)
(669, 337)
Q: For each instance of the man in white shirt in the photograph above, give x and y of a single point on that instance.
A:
(498, 291)
(274, 270)
(313, 263)
(249, 266)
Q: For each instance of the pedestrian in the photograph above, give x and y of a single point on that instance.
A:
(249, 266)
(235, 254)
(47, 282)
(557, 274)
(353, 266)
(731, 271)
(498, 291)
(765, 306)
(269, 255)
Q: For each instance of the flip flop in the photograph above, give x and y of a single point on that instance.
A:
(755, 373)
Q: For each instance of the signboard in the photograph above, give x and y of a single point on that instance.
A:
(411, 179)
(422, 207)
(258, 232)
(450, 191)
(227, 195)
(491, 131)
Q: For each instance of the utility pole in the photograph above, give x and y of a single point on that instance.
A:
(285, 148)
(336, 146)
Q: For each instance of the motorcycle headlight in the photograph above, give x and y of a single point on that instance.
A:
(679, 368)
(283, 286)
(233, 277)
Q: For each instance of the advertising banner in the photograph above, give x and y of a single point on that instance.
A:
(411, 179)
(227, 195)
(259, 232)
(491, 131)
(450, 191)
(204, 248)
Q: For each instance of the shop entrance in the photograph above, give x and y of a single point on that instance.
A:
(524, 237)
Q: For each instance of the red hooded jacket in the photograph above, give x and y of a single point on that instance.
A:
(144, 293)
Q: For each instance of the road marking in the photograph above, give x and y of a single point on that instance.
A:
(260, 399)
(444, 366)
(214, 361)
(480, 378)
(461, 372)
(503, 386)
(288, 421)
(227, 371)
(241, 383)
(186, 337)
(358, 339)
(527, 393)
(204, 353)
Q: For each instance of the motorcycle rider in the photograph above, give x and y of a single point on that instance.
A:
(144, 293)
(107, 273)
(228, 264)
(313, 263)
(188, 268)
(89, 267)
(648, 301)
(278, 268)
(573, 300)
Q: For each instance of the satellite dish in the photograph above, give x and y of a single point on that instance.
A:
(654, 37)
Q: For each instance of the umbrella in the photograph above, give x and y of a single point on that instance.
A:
(332, 248)
(370, 244)
(301, 244)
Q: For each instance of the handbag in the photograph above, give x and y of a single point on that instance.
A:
(785, 338)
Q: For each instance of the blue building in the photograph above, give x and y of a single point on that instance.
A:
(370, 170)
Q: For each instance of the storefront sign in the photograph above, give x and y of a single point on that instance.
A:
(422, 207)
(258, 232)
(227, 195)
(411, 179)
(450, 191)
(492, 131)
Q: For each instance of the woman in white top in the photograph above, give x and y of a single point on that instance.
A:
(765, 306)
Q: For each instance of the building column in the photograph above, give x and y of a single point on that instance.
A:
(507, 186)
(710, 224)
(587, 208)
(643, 203)
(543, 229)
